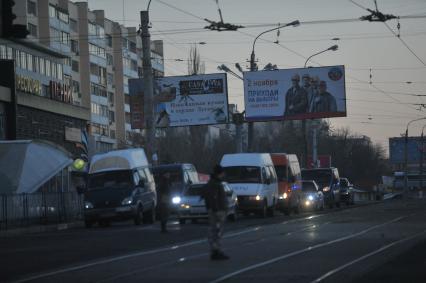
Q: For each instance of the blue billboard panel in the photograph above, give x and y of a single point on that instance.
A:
(397, 150)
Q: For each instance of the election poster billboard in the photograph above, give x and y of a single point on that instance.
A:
(295, 94)
(182, 100)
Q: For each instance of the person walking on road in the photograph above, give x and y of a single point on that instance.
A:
(216, 204)
(164, 200)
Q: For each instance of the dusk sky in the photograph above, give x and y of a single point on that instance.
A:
(379, 110)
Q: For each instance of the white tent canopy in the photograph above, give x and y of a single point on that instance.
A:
(26, 165)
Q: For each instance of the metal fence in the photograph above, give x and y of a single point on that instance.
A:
(42, 208)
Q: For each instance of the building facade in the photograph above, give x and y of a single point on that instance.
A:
(80, 63)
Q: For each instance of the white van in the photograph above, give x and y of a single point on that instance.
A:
(252, 177)
(120, 186)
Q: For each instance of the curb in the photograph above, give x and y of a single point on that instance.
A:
(40, 229)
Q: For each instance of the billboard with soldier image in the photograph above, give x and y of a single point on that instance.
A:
(295, 94)
(182, 100)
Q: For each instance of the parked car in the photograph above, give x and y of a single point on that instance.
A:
(182, 175)
(328, 181)
(120, 187)
(346, 191)
(252, 176)
(289, 182)
(193, 206)
(313, 197)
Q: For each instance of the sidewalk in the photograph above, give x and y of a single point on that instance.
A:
(40, 229)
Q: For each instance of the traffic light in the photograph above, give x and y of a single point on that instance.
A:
(8, 28)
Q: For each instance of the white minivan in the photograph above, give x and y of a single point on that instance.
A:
(252, 177)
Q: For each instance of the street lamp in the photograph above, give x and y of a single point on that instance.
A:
(225, 68)
(331, 48)
(314, 129)
(422, 157)
(254, 68)
(406, 153)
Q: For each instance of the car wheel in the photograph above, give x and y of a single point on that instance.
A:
(234, 216)
(182, 220)
(264, 211)
(149, 217)
(139, 216)
(322, 204)
(271, 210)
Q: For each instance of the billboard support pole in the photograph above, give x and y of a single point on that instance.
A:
(150, 143)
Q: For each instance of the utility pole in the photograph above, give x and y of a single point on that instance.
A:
(406, 163)
(250, 125)
(148, 81)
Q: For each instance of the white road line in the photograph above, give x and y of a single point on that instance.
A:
(285, 256)
(334, 271)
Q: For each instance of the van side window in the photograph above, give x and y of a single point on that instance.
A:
(148, 175)
(142, 175)
(272, 174)
(136, 178)
(265, 175)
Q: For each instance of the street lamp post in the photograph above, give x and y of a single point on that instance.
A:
(406, 154)
(314, 128)
(253, 67)
(422, 147)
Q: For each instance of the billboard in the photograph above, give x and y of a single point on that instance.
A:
(183, 100)
(397, 150)
(295, 94)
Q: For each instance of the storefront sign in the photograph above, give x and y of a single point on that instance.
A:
(72, 134)
(60, 92)
(29, 85)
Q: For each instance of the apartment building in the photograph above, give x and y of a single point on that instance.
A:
(94, 59)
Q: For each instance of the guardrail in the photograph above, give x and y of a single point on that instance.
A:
(23, 210)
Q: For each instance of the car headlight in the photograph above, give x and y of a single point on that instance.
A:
(284, 196)
(257, 197)
(88, 205)
(307, 203)
(176, 200)
(310, 197)
(127, 201)
(326, 189)
(186, 206)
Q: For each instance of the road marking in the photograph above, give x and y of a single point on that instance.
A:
(334, 271)
(285, 256)
(154, 251)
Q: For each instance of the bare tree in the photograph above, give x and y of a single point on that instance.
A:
(195, 66)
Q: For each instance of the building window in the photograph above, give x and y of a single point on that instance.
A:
(92, 29)
(112, 134)
(65, 38)
(127, 99)
(110, 79)
(60, 72)
(29, 62)
(75, 87)
(111, 116)
(75, 66)
(32, 29)
(3, 52)
(111, 98)
(48, 68)
(74, 46)
(73, 25)
(42, 66)
(132, 46)
(32, 8)
(125, 43)
(134, 65)
(109, 40)
(127, 118)
(64, 17)
(52, 11)
(110, 59)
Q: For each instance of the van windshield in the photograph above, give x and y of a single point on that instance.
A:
(110, 179)
(243, 174)
(308, 187)
(321, 177)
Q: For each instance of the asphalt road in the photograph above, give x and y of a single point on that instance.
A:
(343, 245)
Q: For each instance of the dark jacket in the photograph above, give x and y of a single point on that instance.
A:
(163, 190)
(215, 196)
